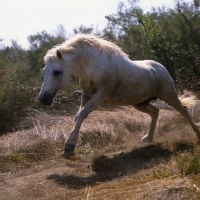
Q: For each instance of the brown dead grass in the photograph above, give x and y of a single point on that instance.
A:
(110, 160)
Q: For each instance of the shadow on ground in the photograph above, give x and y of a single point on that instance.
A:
(106, 168)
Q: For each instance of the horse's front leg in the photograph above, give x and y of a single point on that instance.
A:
(93, 103)
(84, 99)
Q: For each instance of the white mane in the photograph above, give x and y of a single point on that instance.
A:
(81, 43)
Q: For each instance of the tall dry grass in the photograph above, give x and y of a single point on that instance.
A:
(111, 162)
(118, 126)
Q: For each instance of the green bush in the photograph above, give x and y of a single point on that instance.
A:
(70, 96)
(15, 100)
(18, 99)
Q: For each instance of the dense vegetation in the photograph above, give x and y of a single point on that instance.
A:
(169, 36)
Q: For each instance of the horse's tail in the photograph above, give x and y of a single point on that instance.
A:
(188, 100)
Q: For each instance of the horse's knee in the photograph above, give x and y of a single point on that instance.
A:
(154, 112)
(76, 117)
(81, 115)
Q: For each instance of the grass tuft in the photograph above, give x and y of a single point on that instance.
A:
(110, 161)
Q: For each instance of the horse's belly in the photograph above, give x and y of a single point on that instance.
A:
(123, 100)
(127, 95)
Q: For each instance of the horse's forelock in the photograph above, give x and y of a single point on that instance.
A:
(49, 55)
(52, 54)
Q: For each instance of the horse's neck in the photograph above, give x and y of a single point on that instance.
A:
(82, 68)
(95, 61)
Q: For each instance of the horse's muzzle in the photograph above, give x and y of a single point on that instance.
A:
(45, 98)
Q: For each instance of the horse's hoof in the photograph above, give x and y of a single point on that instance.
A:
(67, 154)
(146, 138)
(68, 150)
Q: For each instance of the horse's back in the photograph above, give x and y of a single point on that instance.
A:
(158, 68)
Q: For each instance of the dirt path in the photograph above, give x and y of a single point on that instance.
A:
(112, 165)
(111, 176)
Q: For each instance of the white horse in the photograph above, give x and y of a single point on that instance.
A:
(108, 75)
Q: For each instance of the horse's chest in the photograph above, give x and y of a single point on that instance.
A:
(88, 87)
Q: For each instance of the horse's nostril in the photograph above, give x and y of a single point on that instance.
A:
(45, 99)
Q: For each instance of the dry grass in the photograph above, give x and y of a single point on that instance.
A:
(110, 161)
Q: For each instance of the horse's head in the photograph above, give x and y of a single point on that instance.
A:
(56, 76)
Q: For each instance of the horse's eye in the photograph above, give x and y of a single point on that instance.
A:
(57, 72)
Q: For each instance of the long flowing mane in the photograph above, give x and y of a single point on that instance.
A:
(82, 43)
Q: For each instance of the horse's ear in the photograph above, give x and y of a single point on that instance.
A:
(59, 54)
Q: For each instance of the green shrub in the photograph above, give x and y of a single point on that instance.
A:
(15, 99)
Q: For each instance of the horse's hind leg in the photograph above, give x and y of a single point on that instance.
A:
(153, 112)
(173, 100)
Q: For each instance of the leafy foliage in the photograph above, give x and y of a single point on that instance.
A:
(16, 96)
(39, 45)
(21, 79)
(169, 36)
(159, 46)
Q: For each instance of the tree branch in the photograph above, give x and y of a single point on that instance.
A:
(192, 29)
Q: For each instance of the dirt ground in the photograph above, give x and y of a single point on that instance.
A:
(110, 160)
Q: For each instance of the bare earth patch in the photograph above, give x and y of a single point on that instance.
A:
(110, 160)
